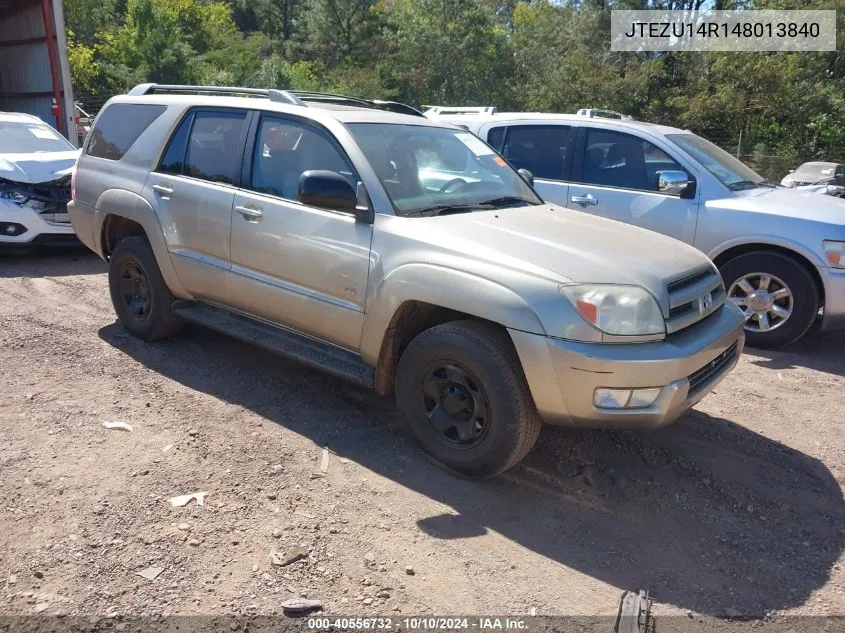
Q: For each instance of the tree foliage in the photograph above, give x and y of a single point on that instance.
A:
(547, 55)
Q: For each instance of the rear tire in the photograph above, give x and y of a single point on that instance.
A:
(775, 271)
(139, 294)
(461, 390)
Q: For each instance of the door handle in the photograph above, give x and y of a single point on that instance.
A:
(250, 213)
(585, 200)
(163, 189)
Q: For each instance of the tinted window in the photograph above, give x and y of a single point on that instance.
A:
(286, 148)
(213, 146)
(119, 126)
(614, 159)
(173, 161)
(541, 149)
(495, 138)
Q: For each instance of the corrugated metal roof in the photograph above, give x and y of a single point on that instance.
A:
(21, 20)
(26, 82)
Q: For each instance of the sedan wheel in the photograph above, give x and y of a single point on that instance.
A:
(766, 301)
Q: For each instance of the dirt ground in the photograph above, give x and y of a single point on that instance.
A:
(734, 512)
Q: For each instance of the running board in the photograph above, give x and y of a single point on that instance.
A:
(327, 358)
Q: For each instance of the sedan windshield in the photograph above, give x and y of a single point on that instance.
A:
(732, 173)
(30, 138)
(433, 170)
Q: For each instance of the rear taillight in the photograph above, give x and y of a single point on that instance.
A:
(73, 183)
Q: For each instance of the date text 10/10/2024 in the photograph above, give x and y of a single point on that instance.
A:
(419, 624)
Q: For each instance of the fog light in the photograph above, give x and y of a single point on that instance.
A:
(612, 398)
(643, 397)
(625, 398)
(12, 228)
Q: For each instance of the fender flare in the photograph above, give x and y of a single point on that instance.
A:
(131, 206)
(447, 288)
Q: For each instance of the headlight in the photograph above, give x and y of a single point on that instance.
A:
(619, 310)
(13, 195)
(835, 253)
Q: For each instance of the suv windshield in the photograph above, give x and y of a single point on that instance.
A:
(732, 173)
(433, 169)
(28, 138)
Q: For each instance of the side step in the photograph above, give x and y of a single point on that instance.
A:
(327, 358)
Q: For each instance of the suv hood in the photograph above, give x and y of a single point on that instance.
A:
(37, 167)
(573, 246)
(794, 203)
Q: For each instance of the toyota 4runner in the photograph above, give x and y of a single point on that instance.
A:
(402, 254)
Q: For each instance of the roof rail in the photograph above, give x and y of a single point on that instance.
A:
(593, 113)
(436, 110)
(280, 96)
(327, 97)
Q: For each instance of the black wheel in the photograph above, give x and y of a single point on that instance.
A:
(461, 390)
(776, 292)
(140, 297)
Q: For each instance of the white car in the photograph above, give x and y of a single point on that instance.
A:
(35, 166)
(781, 251)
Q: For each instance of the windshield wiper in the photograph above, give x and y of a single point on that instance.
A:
(443, 209)
(750, 184)
(505, 201)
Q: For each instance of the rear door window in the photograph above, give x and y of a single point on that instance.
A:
(119, 126)
(207, 145)
(541, 149)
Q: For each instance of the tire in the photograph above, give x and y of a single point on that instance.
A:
(151, 319)
(784, 271)
(464, 359)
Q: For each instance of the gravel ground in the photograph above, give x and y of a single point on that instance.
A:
(734, 513)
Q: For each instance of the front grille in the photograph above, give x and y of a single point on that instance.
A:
(712, 369)
(693, 297)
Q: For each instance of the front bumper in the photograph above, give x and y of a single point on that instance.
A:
(39, 232)
(563, 375)
(834, 299)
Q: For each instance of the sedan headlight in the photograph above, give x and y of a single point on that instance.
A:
(619, 310)
(835, 253)
(20, 198)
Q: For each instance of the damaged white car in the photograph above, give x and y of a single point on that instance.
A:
(35, 166)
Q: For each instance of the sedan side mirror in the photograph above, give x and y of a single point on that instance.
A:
(329, 190)
(675, 183)
(527, 176)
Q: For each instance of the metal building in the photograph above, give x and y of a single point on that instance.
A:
(34, 68)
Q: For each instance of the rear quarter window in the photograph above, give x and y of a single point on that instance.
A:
(119, 126)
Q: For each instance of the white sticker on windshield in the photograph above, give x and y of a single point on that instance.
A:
(828, 171)
(43, 132)
(475, 144)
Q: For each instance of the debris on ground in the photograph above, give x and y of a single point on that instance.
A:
(287, 558)
(183, 500)
(167, 448)
(150, 573)
(296, 606)
(410, 571)
(119, 425)
(324, 462)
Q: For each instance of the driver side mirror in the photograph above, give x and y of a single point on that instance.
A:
(675, 183)
(329, 190)
(527, 176)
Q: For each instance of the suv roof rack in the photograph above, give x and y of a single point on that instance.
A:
(292, 97)
(328, 97)
(461, 110)
(280, 96)
(593, 113)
